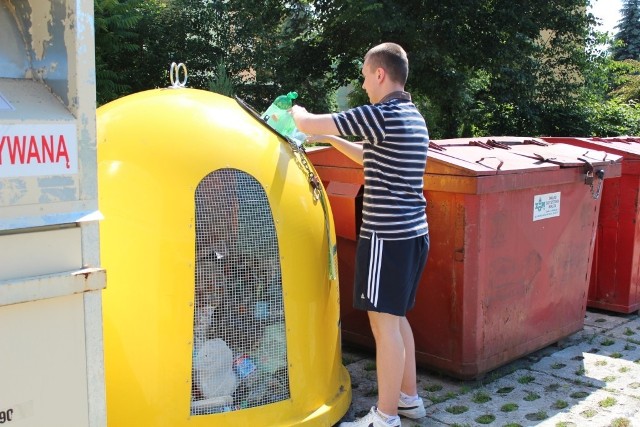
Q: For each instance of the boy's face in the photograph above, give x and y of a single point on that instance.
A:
(370, 83)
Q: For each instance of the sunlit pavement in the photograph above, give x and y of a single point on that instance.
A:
(591, 378)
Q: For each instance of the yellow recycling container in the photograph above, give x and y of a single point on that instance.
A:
(219, 309)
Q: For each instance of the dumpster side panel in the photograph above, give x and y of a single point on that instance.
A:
(442, 313)
(497, 284)
(615, 280)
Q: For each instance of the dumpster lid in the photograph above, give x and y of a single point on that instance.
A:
(625, 146)
(478, 157)
(506, 155)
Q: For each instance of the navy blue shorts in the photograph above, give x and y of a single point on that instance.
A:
(388, 273)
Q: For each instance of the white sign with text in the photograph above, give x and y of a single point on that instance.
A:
(38, 149)
(546, 206)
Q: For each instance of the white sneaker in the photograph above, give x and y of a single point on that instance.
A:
(372, 419)
(414, 409)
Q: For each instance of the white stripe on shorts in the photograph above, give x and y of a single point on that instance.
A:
(375, 262)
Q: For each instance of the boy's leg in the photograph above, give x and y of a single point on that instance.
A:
(390, 356)
(409, 381)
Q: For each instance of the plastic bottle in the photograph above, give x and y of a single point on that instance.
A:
(278, 117)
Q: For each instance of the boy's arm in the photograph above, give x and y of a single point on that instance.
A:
(321, 127)
(352, 150)
(313, 124)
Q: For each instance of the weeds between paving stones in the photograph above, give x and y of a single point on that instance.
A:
(432, 387)
(505, 390)
(537, 416)
(526, 379)
(486, 419)
(620, 422)
(509, 407)
(552, 387)
(481, 397)
(579, 395)
(607, 403)
(457, 409)
(560, 404)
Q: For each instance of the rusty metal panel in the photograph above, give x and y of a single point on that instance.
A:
(346, 205)
(615, 277)
(510, 256)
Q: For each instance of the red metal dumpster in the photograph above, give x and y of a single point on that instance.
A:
(512, 227)
(615, 275)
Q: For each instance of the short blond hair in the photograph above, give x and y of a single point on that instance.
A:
(392, 58)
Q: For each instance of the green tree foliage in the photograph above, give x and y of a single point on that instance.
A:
(478, 67)
(627, 39)
(266, 47)
(482, 64)
(115, 34)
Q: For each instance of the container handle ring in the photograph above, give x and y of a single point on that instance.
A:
(174, 75)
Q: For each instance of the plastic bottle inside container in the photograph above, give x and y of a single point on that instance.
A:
(278, 117)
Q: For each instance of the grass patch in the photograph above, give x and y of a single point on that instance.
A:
(505, 390)
(579, 394)
(600, 363)
(580, 371)
(464, 389)
(624, 369)
(481, 397)
(565, 424)
(558, 365)
(589, 413)
(531, 396)
(442, 398)
(370, 366)
(526, 379)
(609, 379)
(628, 332)
(509, 407)
(485, 419)
(457, 409)
(621, 422)
(608, 402)
(560, 404)
(537, 416)
(433, 387)
(616, 355)
(512, 425)
(607, 342)
(552, 387)
(633, 341)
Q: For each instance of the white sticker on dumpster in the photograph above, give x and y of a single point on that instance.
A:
(38, 149)
(546, 206)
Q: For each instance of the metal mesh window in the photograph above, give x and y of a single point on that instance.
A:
(239, 350)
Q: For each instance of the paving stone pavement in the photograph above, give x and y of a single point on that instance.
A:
(591, 378)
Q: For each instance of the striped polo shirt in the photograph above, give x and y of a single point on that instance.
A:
(395, 142)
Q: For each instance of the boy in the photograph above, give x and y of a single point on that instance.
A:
(394, 237)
